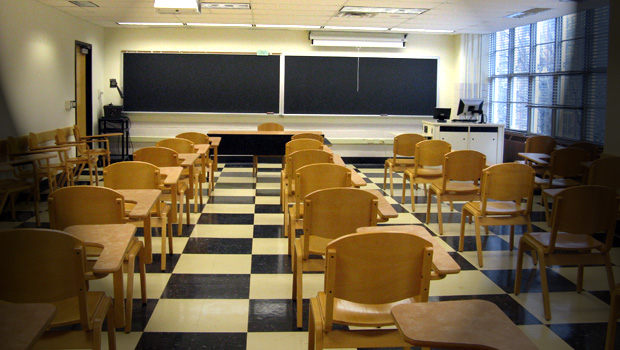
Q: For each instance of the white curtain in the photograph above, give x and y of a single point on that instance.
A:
(473, 72)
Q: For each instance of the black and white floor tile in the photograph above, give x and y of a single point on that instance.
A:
(228, 284)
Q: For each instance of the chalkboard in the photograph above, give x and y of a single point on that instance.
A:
(220, 83)
(346, 85)
(180, 82)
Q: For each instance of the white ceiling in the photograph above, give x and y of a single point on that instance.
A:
(461, 16)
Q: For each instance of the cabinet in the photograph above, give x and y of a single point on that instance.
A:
(117, 125)
(485, 138)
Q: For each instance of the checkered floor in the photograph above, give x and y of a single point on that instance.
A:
(228, 284)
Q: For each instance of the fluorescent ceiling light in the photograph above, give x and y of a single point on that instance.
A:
(292, 26)
(390, 10)
(355, 28)
(411, 30)
(218, 25)
(225, 6)
(527, 13)
(149, 24)
(348, 39)
(84, 3)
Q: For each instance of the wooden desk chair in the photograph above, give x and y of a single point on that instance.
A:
(56, 170)
(294, 161)
(83, 158)
(186, 146)
(538, 144)
(504, 188)
(366, 275)
(49, 266)
(92, 205)
(142, 175)
(166, 157)
(264, 127)
(91, 141)
(426, 169)
(460, 181)
(565, 170)
(402, 159)
(578, 213)
(310, 178)
(308, 135)
(328, 214)
(605, 172)
(591, 148)
(614, 313)
(11, 186)
(199, 138)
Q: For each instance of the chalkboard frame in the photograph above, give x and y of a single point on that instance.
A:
(282, 95)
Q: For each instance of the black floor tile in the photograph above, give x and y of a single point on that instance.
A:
(215, 199)
(530, 281)
(271, 264)
(268, 231)
(268, 192)
(203, 286)
(489, 242)
(207, 341)
(268, 209)
(243, 186)
(584, 336)
(272, 315)
(226, 219)
(218, 246)
(517, 313)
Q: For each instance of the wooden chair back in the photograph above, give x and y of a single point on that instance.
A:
(430, 153)
(404, 145)
(61, 138)
(301, 144)
(589, 147)
(376, 268)
(566, 162)
(158, 156)
(605, 172)
(270, 127)
(197, 138)
(297, 159)
(45, 266)
(308, 135)
(334, 212)
(314, 177)
(85, 205)
(585, 210)
(463, 165)
(177, 144)
(508, 182)
(131, 175)
(540, 144)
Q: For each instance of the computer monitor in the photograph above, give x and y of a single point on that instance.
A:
(441, 114)
(469, 106)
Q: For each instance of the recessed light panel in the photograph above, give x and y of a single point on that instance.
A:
(389, 10)
(527, 13)
(225, 6)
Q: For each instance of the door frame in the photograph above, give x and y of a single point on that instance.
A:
(88, 86)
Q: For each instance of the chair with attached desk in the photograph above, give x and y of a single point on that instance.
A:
(11, 186)
(366, 275)
(199, 138)
(538, 144)
(264, 127)
(328, 214)
(45, 168)
(462, 171)
(142, 175)
(91, 141)
(426, 169)
(565, 170)
(402, 159)
(504, 188)
(49, 266)
(310, 178)
(92, 205)
(186, 146)
(83, 158)
(166, 157)
(286, 174)
(589, 147)
(578, 213)
(294, 161)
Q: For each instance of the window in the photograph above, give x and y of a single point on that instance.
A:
(550, 77)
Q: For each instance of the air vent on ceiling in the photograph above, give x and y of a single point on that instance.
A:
(527, 13)
(355, 15)
(84, 3)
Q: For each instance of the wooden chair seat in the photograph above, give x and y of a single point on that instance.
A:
(461, 187)
(556, 183)
(495, 208)
(362, 315)
(566, 241)
(68, 309)
(427, 172)
(428, 166)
